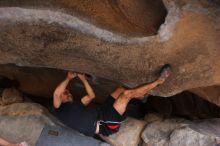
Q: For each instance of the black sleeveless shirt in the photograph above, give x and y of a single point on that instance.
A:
(77, 116)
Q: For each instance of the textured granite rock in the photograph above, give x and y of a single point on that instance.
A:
(23, 122)
(186, 136)
(11, 95)
(173, 132)
(41, 34)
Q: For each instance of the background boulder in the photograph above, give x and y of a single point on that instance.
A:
(11, 95)
(176, 131)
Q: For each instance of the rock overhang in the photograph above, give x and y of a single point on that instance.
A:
(132, 61)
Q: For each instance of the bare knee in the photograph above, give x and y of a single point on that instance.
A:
(127, 93)
(118, 92)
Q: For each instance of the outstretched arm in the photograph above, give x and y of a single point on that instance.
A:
(61, 88)
(4, 142)
(90, 93)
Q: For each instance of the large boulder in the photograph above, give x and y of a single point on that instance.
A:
(128, 135)
(186, 136)
(173, 132)
(11, 95)
(158, 132)
(23, 122)
(77, 37)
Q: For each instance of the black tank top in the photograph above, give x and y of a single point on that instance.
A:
(79, 117)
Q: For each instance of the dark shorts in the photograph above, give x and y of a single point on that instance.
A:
(110, 120)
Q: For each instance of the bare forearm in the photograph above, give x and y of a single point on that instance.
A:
(3, 142)
(62, 86)
(58, 91)
(88, 88)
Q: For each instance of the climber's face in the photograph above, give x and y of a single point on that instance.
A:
(66, 96)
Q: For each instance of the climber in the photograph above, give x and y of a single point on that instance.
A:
(107, 119)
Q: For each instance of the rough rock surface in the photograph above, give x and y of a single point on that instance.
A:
(210, 93)
(11, 95)
(125, 16)
(173, 132)
(41, 34)
(186, 136)
(23, 122)
(153, 117)
(128, 135)
(157, 133)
